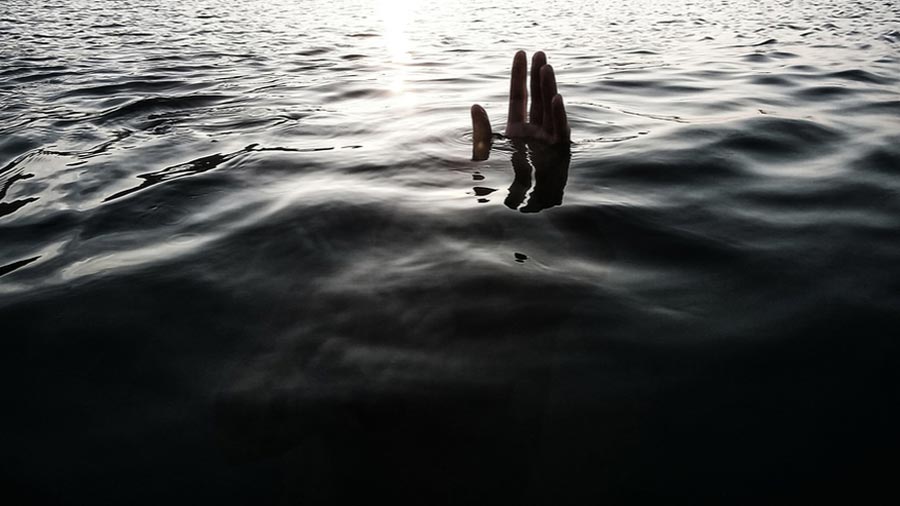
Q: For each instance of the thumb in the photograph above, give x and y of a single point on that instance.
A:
(481, 133)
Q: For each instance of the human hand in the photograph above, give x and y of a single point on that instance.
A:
(548, 122)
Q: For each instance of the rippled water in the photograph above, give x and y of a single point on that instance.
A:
(245, 255)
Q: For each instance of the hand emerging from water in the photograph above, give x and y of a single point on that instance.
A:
(548, 121)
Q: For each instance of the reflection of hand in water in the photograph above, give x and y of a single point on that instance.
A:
(547, 122)
(551, 171)
(545, 136)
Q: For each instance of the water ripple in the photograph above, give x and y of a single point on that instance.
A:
(247, 256)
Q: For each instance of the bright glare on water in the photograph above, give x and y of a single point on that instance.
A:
(246, 256)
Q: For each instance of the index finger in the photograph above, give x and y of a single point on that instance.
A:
(518, 94)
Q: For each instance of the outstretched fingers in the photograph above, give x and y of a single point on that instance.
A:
(546, 119)
(518, 93)
(536, 113)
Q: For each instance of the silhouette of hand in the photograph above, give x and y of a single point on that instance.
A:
(536, 141)
(548, 121)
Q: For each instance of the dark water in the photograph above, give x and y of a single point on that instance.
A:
(246, 258)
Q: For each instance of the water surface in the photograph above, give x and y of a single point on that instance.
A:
(245, 255)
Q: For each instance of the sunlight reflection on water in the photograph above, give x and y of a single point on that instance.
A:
(395, 16)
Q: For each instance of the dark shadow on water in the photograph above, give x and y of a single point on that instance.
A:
(199, 166)
(11, 207)
(6, 269)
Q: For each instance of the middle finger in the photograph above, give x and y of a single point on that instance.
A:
(537, 105)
